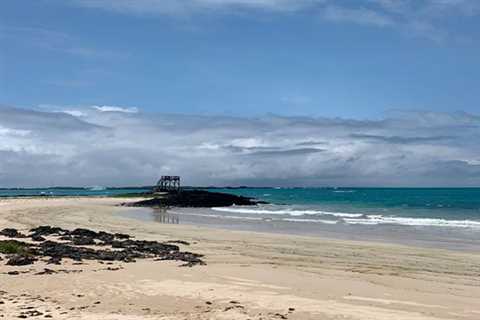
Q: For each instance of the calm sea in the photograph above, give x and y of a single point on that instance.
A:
(60, 192)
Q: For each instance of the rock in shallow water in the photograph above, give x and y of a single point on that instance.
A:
(196, 198)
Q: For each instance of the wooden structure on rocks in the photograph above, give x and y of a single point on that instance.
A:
(168, 184)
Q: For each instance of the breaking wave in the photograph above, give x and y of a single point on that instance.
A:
(291, 212)
(315, 216)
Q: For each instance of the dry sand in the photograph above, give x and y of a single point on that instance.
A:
(248, 276)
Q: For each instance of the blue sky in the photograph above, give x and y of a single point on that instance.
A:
(350, 59)
(240, 92)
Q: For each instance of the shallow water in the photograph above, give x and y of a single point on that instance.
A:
(462, 239)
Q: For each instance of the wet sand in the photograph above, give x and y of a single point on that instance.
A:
(451, 238)
(248, 275)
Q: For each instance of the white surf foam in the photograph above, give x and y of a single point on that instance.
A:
(291, 212)
(352, 218)
(428, 222)
(311, 220)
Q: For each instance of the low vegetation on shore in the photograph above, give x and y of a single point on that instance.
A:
(12, 247)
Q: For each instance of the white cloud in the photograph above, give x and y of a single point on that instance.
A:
(118, 148)
(54, 41)
(421, 18)
(358, 16)
(75, 113)
(12, 132)
(174, 7)
(116, 109)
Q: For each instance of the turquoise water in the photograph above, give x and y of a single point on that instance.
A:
(92, 191)
(437, 218)
(447, 207)
(436, 207)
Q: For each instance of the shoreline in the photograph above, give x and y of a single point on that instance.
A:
(422, 237)
(266, 273)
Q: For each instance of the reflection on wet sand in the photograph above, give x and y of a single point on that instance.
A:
(162, 216)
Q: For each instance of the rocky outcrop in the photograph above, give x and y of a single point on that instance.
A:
(83, 244)
(196, 198)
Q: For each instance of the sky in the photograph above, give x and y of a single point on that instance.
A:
(235, 92)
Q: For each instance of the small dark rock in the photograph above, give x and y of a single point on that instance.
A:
(20, 260)
(33, 313)
(46, 271)
(47, 231)
(84, 233)
(12, 233)
(66, 238)
(83, 241)
(55, 260)
(121, 236)
(105, 237)
(38, 238)
(185, 243)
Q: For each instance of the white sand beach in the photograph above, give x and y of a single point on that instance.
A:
(248, 275)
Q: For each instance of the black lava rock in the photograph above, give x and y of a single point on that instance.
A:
(126, 249)
(196, 198)
(38, 238)
(21, 260)
(47, 231)
(83, 241)
(12, 233)
(84, 233)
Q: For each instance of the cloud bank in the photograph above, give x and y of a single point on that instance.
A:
(90, 146)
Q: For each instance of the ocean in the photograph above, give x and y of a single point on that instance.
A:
(439, 207)
(438, 217)
(68, 192)
(435, 217)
